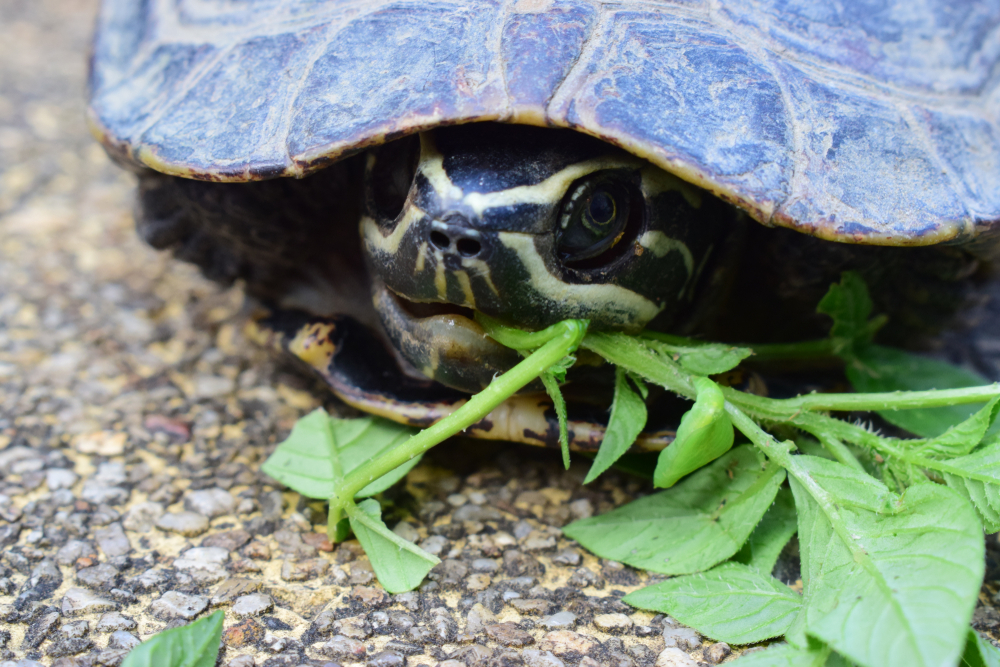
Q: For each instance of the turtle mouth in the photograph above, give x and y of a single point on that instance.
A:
(441, 340)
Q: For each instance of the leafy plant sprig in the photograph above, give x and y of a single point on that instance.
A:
(193, 645)
(890, 529)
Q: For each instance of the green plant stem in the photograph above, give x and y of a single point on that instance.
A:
(624, 351)
(893, 400)
(839, 451)
(781, 453)
(563, 339)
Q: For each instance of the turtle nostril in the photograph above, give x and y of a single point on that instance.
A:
(440, 240)
(468, 247)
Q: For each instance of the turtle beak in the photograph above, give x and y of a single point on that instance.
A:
(442, 340)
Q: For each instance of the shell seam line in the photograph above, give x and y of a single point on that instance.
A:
(586, 48)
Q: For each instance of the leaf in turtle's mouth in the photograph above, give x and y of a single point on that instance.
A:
(442, 340)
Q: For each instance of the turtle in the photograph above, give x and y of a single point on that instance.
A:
(377, 172)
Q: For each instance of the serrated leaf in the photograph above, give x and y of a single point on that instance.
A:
(399, 565)
(765, 543)
(705, 433)
(887, 590)
(850, 306)
(321, 450)
(193, 645)
(785, 655)
(628, 418)
(962, 438)
(551, 384)
(878, 369)
(976, 477)
(731, 603)
(979, 652)
(700, 522)
(698, 358)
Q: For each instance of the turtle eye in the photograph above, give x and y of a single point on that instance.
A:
(593, 222)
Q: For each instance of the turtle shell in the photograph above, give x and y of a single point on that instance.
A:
(869, 121)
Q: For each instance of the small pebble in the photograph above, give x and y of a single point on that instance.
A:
(581, 509)
(210, 502)
(174, 604)
(112, 541)
(406, 530)
(387, 659)
(674, 657)
(123, 639)
(531, 607)
(354, 627)
(716, 653)
(569, 557)
(613, 623)
(538, 541)
(343, 648)
(98, 576)
(563, 620)
(487, 565)
(434, 545)
(78, 601)
(681, 637)
(304, 570)
(142, 517)
(75, 629)
(97, 492)
(254, 604)
(508, 634)
(230, 540)
(187, 524)
(245, 633)
(112, 621)
(60, 478)
(231, 589)
(477, 582)
(561, 642)
(242, 661)
(534, 658)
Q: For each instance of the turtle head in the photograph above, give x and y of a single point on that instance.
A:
(529, 226)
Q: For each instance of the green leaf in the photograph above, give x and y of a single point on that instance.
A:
(765, 543)
(850, 306)
(979, 652)
(877, 369)
(962, 438)
(194, 645)
(786, 655)
(399, 565)
(731, 603)
(628, 418)
(551, 384)
(322, 450)
(702, 521)
(886, 590)
(976, 477)
(705, 434)
(695, 356)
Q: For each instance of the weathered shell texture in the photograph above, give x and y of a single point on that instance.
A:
(873, 121)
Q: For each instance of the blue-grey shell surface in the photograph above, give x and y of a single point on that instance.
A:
(869, 121)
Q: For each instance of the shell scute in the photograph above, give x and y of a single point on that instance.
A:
(873, 122)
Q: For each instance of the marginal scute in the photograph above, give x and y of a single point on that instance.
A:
(860, 122)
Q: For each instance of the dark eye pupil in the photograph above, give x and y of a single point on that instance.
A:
(601, 208)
